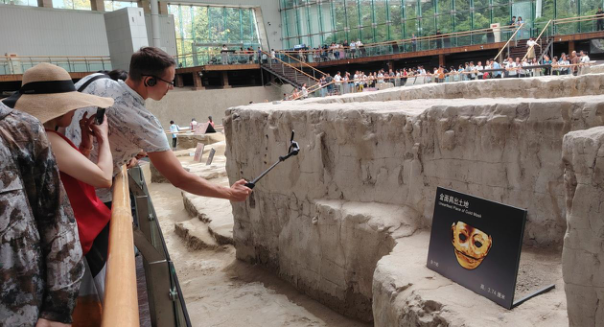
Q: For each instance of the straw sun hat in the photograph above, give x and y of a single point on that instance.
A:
(48, 92)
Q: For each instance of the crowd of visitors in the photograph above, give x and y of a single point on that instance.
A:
(59, 154)
(359, 81)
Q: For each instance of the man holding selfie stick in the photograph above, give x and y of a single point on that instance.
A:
(133, 128)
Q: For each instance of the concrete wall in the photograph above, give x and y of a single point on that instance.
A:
(30, 31)
(167, 33)
(181, 105)
(126, 33)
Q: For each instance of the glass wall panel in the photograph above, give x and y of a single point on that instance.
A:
(117, 5)
(385, 20)
(381, 20)
(201, 32)
(288, 4)
(396, 19)
(315, 26)
(588, 8)
(71, 4)
(292, 25)
(352, 13)
(326, 18)
(444, 19)
(339, 15)
(411, 23)
(463, 23)
(482, 21)
(565, 9)
(367, 34)
(366, 7)
(411, 26)
(427, 28)
(31, 3)
(445, 22)
(501, 15)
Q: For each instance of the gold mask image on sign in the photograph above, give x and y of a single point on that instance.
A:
(471, 244)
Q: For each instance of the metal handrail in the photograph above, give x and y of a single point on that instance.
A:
(288, 65)
(537, 39)
(544, 50)
(509, 40)
(305, 64)
(18, 64)
(45, 57)
(453, 73)
(167, 307)
(120, 306)
(418, 39)
(577, 19)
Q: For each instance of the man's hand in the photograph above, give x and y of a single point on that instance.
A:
(132, 163)
(240, 192)
(47, 323)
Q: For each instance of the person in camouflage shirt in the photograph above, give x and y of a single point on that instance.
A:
(40, 255)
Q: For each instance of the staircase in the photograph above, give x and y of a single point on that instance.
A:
(289, 74)
(521, 49)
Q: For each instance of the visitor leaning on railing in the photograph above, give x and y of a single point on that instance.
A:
(404, 77)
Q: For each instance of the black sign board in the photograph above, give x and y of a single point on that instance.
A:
(477, 243)
(211, 157)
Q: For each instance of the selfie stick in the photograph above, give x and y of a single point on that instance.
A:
(293, 150)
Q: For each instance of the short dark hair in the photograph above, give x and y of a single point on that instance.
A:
(149, 61)
(171, 122)
(117, 74)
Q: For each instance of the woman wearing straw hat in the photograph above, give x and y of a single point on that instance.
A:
(48, 93)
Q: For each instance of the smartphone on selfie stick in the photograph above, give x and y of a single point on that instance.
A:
(100, 116)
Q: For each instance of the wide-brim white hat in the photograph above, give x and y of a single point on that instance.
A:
(48, 92)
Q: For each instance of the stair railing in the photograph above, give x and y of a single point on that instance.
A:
(506, 45)
(531, 48)
(288, 65)
(548, 47)
(301, 63)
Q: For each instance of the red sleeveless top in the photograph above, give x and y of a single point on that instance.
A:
(90, 213)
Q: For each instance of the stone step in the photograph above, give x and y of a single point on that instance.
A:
(195, 234)
(215, 213)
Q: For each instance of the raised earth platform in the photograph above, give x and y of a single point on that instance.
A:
(346, 221)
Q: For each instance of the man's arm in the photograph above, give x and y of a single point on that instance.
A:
(169, 166)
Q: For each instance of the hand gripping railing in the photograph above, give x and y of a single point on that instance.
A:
(120, 306)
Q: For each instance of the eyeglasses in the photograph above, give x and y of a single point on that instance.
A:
(161, 79)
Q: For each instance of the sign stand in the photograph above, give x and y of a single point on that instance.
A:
(532, 295)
